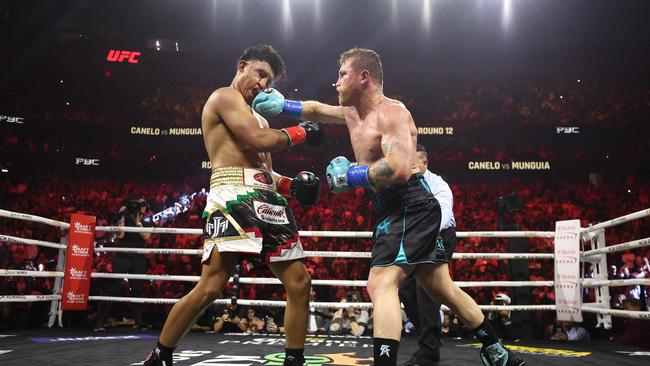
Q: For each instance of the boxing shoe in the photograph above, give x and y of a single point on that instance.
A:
(498, 355)
(292, 361)
(154, 358)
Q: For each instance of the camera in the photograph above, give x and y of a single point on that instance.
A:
(134, 206)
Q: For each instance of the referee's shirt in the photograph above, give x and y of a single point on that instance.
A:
(442, 193)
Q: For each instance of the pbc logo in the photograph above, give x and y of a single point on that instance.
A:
(72, 297)
(78, 251)
(263, 177)
(121, 56)
(567, 130)
(10, 119)
(81, 228)
(86, 162)
(216, 226)
(76, 274)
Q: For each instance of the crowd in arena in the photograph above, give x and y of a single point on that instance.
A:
(529, 103)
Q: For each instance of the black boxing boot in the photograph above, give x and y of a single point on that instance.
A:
(498, 355)
(159, 356)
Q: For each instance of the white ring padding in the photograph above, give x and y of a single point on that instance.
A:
(615, 283)
(33, 218)
(618, 247)
(24, 273)
(618, 220)
(28, 298)
(17, 240)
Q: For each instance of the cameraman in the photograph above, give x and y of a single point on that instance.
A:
(130, 214)
(501, 319)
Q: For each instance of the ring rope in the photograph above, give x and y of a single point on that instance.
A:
(33, 218)
(618, 247)
(324, 254)
(28, 298)
(618, 220)
(17, 240)
(354, 283)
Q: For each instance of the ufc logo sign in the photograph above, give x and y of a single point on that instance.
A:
(567, 129)
(86, 162)
(121, 56)
(11, 119)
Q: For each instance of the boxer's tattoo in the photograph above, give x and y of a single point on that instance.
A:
(381, 172)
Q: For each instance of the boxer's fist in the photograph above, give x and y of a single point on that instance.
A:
(268, 103)
(337, 174)
(305, 188)
(315, 134)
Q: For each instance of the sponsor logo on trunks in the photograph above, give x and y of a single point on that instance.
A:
(81, 228)
(263, 177)
(217, 226)
(78, 251)
(77, 274)
(75, 298)
(273, 214)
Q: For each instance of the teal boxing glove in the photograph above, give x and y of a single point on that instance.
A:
(341, 175)
(270, 103)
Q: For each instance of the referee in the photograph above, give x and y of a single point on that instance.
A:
(427, 322)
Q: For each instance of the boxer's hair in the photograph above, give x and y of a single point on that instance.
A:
(365, 59)
(420, 149)
(265, 52)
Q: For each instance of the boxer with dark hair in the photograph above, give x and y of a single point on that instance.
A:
(246, 214)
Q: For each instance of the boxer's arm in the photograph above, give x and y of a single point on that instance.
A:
(397, 146)
(323, 113)
(237, 115)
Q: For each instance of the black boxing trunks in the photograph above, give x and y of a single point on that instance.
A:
(408, 227)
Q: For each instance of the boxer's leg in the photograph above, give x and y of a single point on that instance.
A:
(383, 283)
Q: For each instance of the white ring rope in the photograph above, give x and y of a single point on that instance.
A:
(618, 220)
(28, 298)
(618, 247)
(327, 234)
(25, 273)
(17, 240)
(619, 313)
(33, 218)
(350, 283)
(324, 254)
(333, 305)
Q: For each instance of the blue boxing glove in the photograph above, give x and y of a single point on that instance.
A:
(270, 103)
(341, 175)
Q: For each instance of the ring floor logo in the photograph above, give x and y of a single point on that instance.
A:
(273, 359)
(92, 338)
